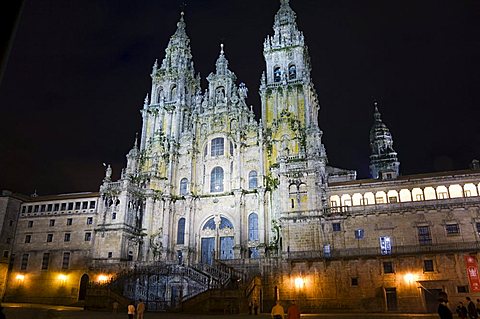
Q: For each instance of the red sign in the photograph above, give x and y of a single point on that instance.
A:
(472, 272)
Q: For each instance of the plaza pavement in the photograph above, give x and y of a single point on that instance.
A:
(32, 311)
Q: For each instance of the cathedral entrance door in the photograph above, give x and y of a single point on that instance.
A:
(208, 249)
(226, 247)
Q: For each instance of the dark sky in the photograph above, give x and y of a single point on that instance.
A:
(79, 70)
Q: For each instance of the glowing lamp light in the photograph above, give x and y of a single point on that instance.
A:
(409, 277)
(299, 282)
(102, 279)
(62, 278)
(20, 277)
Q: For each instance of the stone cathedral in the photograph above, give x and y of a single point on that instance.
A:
(216, 209)
(214, 179)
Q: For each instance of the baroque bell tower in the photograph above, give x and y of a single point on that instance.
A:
(295, 158)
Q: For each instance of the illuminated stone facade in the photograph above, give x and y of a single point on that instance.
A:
(208, 182)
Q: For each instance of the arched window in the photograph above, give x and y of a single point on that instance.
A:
(216, 180)
(217, 146)
(184, 186)
(292, 72)
(252, 179)
(253, 227)
(181, 232)
(159, 94)
(173, 93)
(277, 74)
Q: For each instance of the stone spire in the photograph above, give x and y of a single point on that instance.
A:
(222, 62)
(384, 163)
(285, 27)
(178, 55)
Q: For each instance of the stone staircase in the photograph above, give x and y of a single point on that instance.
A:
(170, 287)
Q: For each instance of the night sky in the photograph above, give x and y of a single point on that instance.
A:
(78, 73)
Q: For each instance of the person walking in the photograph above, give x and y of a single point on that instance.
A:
(255, 307)
(277, 311)
(293, 312)
(461, 310)
(131, 310)
(471, 309)
(140, 309)
(444, 311)
(115, 306)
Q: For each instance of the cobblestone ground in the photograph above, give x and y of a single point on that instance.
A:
(23, 311)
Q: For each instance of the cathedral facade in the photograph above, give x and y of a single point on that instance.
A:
(207, 182)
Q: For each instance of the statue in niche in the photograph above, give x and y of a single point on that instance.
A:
(220, 95)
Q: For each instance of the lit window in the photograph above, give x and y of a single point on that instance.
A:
(452, 229)
(379, 200)
(216, 180)
(419, 197)
(184, 186)
(442, 195)
(393, 199)
(217, 147)
(252, 179)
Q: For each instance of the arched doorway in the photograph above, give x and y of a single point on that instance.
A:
(217, 239)
(83, 287)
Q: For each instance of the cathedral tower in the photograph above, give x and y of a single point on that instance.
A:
(295, 158)
(384, 163)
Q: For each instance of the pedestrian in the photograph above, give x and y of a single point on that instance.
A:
(140, 309)
(255, 306)
(277, 311)
(461, 310)
(472, 309)
(2, 315)
(115, 306)
(131, 310)
(293, 312)
(444, 311)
